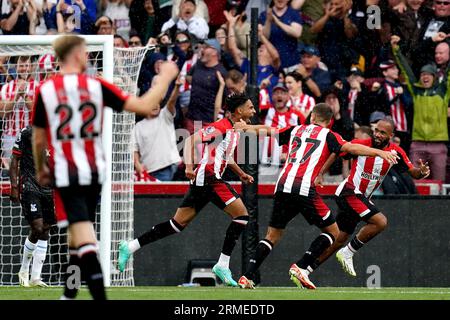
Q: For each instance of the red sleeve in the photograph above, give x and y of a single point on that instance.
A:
(335, 142)
(113, 97)
(214, 130)
(39, 114)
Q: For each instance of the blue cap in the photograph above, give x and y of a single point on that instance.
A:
(310, 50)
(213, 43)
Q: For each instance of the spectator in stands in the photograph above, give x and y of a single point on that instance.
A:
(269, 61)
(186, 20)
(150, 68)
(226, 57)
(241, 26)
(120, 42)
(391, 98)
(205, 84)
(135, 41)
(104, 25)
(21, 19)
(85, 11)
(163, 9)
(118, 12)
(234, 82)
(315, 79)
(183, 41)
(200, 11)
(298, 101)
(144, 20)
(441, 58)
(17, 113)
(431, 100)
(342, 124)
(335, 30)
(279, 116)
(215, 10)
(408, 20)
(357, 97)
(66, 18)
(155, 147)
(434, 31)
(282, 25)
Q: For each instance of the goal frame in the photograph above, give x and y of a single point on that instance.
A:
(107, 44)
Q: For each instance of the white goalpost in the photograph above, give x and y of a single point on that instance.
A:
(26, 58)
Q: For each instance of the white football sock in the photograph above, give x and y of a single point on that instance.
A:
(28, 249)
(224, 261)
(134, 245)
(38, 259)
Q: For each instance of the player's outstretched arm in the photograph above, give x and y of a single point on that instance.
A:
(259, 129)
(152, 98)
(360, 150)
(422, 172)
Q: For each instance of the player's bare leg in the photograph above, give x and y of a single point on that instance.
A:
(375, 225)
(238, 213)
(265, 246)
(181, 219)
(82, 236)
(35, 246)
(300, 271)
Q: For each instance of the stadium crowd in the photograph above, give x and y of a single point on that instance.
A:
(367, 59)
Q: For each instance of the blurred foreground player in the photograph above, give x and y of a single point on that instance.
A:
(68, 121)
(37, 207)
(219, 139)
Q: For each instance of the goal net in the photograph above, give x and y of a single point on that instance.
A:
(24, 63)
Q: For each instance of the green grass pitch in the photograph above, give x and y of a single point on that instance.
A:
(224, 293)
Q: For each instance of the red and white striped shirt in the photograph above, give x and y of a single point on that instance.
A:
(397, 108)
(309, 148)
(220, 141)
(271, 151)
(70, 108)
(302, 103)
(367, 173)
(19, 117)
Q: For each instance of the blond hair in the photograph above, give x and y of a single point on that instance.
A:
(64, 45)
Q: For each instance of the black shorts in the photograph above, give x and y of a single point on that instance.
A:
(36, 205)
(353, 209)
(218, 192)
(287, 205)
(76, 204)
